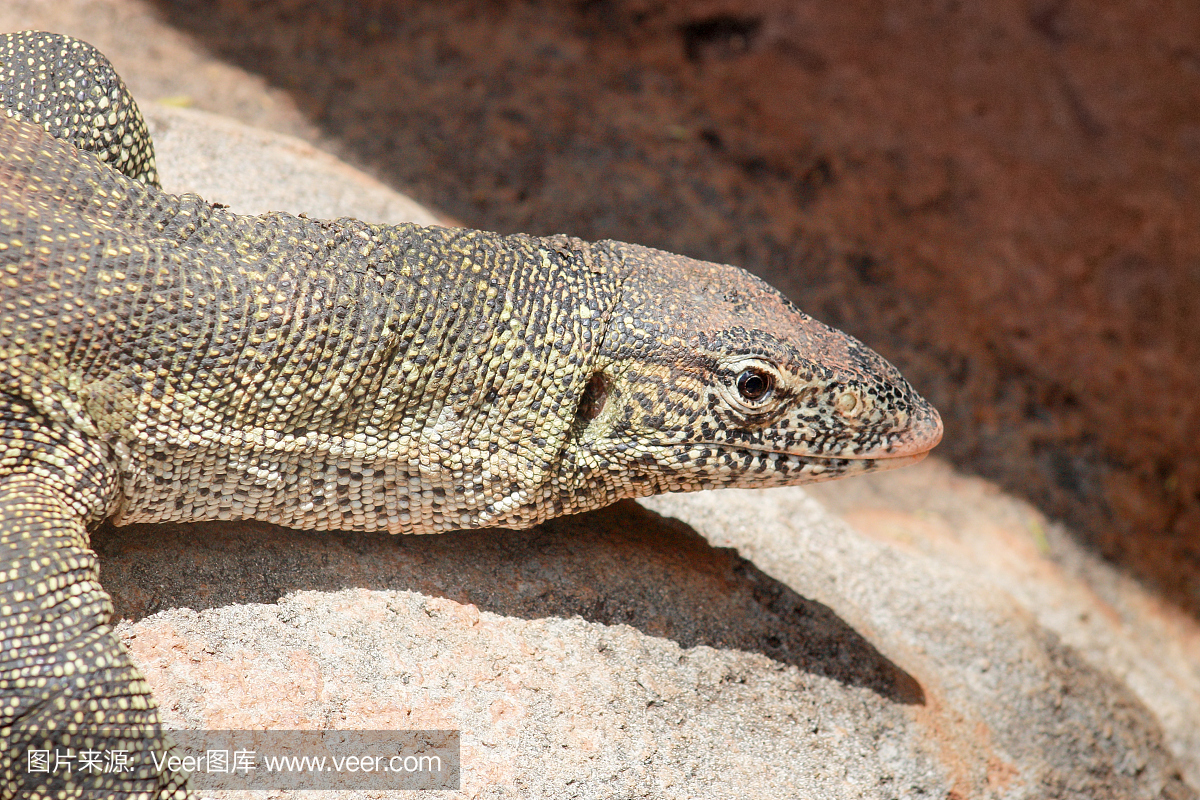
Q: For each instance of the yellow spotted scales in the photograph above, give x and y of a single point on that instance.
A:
(163, 359)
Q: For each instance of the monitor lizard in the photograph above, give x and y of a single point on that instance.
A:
(163, 359)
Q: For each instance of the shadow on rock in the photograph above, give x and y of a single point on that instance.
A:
(619, 565)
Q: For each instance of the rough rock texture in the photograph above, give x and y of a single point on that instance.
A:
(267, 171)
(621, 654)
(1009, 547)
(959, 646)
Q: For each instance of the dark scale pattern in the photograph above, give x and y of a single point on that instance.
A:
(164, 359)
(71, 90)
(63, 673)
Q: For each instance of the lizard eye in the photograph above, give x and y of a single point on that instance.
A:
(751, 386)
(754, 384)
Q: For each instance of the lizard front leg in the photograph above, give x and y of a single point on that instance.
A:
(68, 688)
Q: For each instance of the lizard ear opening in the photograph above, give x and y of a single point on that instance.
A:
(594, 396)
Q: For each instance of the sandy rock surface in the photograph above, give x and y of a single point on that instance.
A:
(253, 171)
(725, 644)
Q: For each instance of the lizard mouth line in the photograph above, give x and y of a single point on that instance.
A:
(910, 457)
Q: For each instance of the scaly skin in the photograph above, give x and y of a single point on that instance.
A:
(164, 359)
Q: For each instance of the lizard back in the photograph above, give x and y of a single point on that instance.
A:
(318, 374)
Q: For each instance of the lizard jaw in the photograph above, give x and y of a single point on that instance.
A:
(910, 450)
(816, 468)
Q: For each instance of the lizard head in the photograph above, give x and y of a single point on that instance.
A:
(708, 377)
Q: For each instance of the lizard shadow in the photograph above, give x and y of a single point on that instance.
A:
(619, 565)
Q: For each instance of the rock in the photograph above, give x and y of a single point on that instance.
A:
(254, 171)
(626, 653)
(1106, 616)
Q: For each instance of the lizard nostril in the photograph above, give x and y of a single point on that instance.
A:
(594, 395)
(848, 403)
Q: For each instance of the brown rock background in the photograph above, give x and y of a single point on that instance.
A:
(1001, 196)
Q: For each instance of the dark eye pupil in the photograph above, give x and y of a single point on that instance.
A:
(752, 384)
